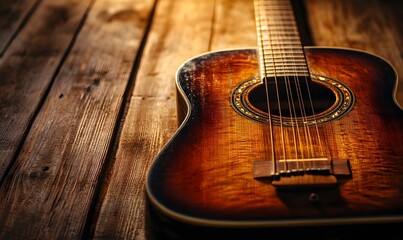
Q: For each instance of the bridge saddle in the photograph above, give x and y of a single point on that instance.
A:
(302, 173)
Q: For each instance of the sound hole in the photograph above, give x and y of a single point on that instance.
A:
(291, 97)
(316, 101)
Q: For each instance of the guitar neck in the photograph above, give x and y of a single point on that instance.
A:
(280, 47)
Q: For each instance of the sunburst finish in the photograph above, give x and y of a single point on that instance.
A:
(204, 175)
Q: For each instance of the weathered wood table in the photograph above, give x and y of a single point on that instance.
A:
(87, 97)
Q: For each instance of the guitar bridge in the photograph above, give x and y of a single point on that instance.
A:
(302, 173)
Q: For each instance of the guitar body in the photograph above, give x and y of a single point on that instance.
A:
(204, 176)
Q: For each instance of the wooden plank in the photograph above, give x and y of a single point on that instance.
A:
(234, 25)
(49, 191)
(28, 67)
(181, 30)
(374, 27)
(13, 14)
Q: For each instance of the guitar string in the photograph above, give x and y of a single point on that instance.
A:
(263, 73)
(298, 90)
(301, 99)
(276, 83)
(277, 20)
(316, 128)
(289, 77)
(276, 79)
(318, 135)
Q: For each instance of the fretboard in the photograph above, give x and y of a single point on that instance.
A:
(280, 49)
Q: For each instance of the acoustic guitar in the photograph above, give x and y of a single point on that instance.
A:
(282, 136)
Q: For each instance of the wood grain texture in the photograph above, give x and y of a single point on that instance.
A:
(233, 25)
(206, 170)
(49, 190)
(151, 118)
(28, 67)
(13, 15)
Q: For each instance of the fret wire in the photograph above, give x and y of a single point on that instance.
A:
(279, 65)
(281, 43)
(294, 64)
(280, 54)
(286, 66)
(278, 59)
(278, 33)
(279, 38)
(288, 63)
(273, 47)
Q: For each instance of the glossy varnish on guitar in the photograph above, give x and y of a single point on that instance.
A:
(211, 172)
(206, 171)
